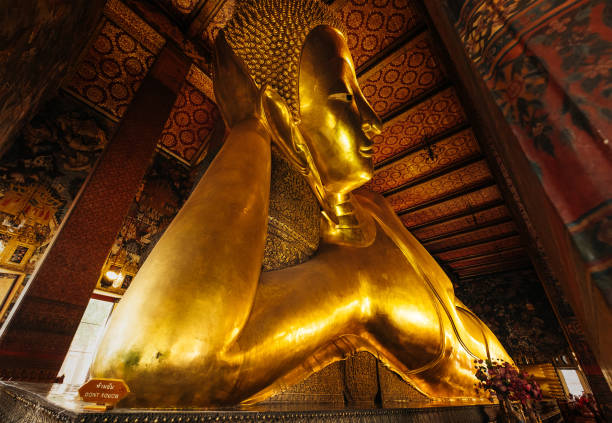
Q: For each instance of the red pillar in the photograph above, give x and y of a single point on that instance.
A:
(39, 334)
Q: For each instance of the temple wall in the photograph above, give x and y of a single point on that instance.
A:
(556, 158)
(514, 306)
(41, 175)
(546, 65)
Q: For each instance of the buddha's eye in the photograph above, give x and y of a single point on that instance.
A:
(344, 97)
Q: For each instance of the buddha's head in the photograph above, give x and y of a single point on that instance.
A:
(285, 61)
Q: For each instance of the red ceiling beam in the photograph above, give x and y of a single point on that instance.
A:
(462, 213)
(473, 228)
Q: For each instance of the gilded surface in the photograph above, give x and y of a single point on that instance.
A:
(202, 325)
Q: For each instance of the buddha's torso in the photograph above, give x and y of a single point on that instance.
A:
(346, 299)
(385, 283)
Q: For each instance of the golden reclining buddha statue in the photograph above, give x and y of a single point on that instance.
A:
(205, 324)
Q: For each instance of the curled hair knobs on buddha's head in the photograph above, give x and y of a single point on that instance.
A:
(268, 36)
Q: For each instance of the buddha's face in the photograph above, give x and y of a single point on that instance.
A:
(336, 120)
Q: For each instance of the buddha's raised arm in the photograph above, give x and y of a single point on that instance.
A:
(195, 291)
(208, 261)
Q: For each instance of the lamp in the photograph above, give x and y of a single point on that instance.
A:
(115, 276)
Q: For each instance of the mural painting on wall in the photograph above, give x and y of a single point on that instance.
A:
(548, 65)
(515, 307)
(41, 174)
(162, 192)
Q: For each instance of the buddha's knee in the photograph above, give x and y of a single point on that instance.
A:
(416, 338)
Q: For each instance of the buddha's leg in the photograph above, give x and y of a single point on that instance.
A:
(400, 324)
(449, 375)
(308, 316)
(169, 335)
(470, 337)
(412, 330)
(481, 334)
(298, 317)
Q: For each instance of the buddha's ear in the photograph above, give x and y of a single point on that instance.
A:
(284, 131)
(236, 93)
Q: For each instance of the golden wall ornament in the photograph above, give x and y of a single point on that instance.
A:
(202, 325)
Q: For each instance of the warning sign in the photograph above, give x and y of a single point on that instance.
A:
(104, 391)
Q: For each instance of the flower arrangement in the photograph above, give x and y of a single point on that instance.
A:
(505, 380)
(585, 405)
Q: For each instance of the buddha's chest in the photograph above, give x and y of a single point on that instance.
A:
(381, 265)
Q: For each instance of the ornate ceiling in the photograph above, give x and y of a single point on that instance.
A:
(428, 161)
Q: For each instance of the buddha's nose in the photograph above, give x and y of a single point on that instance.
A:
(371, 124)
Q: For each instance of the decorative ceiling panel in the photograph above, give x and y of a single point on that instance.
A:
(371, 26)
(191, 121)
(406, 75)
(446, 152)
(494, 267)
(441, 186)
(481, 249)
(201, 82)
(502, 256)
(462, 223)
(452, 207)
(112, 70)
(429, 118)
(471, 237)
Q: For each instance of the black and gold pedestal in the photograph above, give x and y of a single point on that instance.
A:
(43, 403)
(358, 389)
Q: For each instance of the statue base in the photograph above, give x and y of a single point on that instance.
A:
(46, 403)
